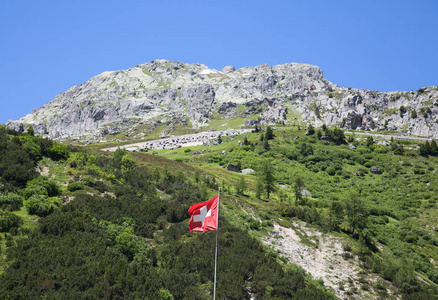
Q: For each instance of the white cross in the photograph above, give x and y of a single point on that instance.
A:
(203, 213)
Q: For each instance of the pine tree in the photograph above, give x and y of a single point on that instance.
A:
(428, 147)
(269, 135)
(336, 214)
(393, 144)
(434, 148)
(262, 137)
(318, 134)
(298, 185)
(241, 185)
(259, 187)
(30, 131)
(310, 130)
(356, 212)
(370, 141)
(266, 145)
(266, 175)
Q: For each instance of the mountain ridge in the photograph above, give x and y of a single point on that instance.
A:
(129, 102)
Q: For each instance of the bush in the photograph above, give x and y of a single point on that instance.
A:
(41, 205)
(35, 190)
(74, 186)
(42, 186)
(331, 171)
(58, 152)
(8, 220)
(418, 170)
(11, 201)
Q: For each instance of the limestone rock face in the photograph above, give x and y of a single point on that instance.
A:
(176, 94)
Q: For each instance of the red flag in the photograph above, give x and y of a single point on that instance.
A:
(203, 215)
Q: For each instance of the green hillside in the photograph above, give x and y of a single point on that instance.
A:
(99, 227)
(78, 223)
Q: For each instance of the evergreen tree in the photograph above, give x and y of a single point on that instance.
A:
(262, 137)
(30, 131)
(318, 134)
(399, 150)
(298, 185)
(266, 174)
(428, 147)
(336, 214)
(351, 138)
(245, 141)
(356, 212)
(338, 136)
(241, 185)
(118, 154)
(434, 148)
(266, 145)
(370, 141)
(256, 128)
(259, 187)
(425, 149)
(269, 135)
(310, 130)
(393, 144)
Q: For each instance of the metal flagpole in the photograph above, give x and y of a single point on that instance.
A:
(217, 234)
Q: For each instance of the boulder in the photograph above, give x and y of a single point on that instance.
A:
(247, 171)
(305, 192)
(233, 168)
(376, 170)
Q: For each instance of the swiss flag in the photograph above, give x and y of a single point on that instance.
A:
(203, 215)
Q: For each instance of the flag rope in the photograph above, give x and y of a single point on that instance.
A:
(217, 234)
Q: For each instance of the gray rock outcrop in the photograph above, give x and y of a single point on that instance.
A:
(173, 94)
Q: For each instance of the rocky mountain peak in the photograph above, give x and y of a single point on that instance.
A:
(192, 95)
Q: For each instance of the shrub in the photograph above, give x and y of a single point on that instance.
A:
(413, 114)
(331, 170)
(11, 201)
(58, 152)
(41, 205)
(74, 186)
(35, 190)
(418, 170)
(42, 186)
(8, 220)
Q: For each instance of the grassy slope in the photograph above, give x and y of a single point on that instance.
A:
(63, 172)
(406, 191)
(401, 200)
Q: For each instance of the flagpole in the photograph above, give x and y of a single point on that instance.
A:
(217, 234)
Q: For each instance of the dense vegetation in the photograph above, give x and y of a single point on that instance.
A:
(103, 227)
(382, 195)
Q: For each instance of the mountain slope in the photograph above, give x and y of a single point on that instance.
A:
(136, 101)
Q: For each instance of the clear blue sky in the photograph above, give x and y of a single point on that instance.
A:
(47, 47)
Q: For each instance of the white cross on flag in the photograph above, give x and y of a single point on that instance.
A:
(203, 215)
